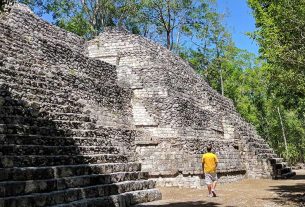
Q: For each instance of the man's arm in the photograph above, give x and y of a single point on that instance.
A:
(202, 162)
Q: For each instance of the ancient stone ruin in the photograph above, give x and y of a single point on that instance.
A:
(87, 123)
(66, 125)
(179, 114)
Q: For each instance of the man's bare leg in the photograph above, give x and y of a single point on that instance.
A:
(210, 188)
(213, 188)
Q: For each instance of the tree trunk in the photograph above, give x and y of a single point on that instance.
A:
(168, 38)
(178, 39)
(221, 81)
(283, 129)
(172, 40)
(168, 31)
(220, 74)
(219, 69)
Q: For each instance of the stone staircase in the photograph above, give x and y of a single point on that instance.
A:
(262, 151)
(65, 135)
(280, 169)
(43, 163)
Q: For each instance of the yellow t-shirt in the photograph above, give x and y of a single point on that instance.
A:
(210, 161)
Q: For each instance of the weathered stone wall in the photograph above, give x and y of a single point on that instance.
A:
(179, 113)
(45, 66)
(66, 132)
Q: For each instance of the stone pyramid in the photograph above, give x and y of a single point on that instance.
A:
(180, 114)
(66, 135)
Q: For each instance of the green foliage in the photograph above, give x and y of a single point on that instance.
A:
(170, 20)
(280, 35)
(78, 25)
(5, 3)
(87, 17)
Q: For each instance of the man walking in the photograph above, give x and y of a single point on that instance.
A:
(209, 164)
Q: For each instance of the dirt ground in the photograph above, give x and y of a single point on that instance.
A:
(246, 193)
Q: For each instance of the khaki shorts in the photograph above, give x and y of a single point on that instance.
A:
(210, 178)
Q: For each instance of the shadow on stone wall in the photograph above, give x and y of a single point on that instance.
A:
(44, 162)
(39, 155)
(26, 132)
(54, 149)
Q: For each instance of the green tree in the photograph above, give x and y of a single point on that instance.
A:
(86, 17)
(282, 41)
(5, 3)
(281, 38)
(214, 46)
(172, 21)
(166, 17)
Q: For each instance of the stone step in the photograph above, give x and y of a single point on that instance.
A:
(14, 119)
(61, 171)
(71, 119)
(41, 160)
(36, 77)
(285, 176)
(274, 155)
(61, 99)
(56, 132)
(284, 170)
(57, 91)
(41, 84)
(33, 130)
(41, 105)
(52, 141)
(75, 194)
(49, 126)
(17, 111)
(275, 160)
(254, 140)
(258, 145)
(105, 90)
(289, 175)
(266, 155)
(17, 188)
(48, 131)
(19, 150)
(264, 151)
(280, 165)
(122, 200)
(46, 78)
(19, 85)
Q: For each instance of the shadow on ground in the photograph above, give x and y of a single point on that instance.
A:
(291, 194)
(299, 177)
(184, 204)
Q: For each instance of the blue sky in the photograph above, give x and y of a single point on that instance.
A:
(239, 21)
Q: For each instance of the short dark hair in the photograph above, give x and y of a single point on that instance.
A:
(209, 148)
